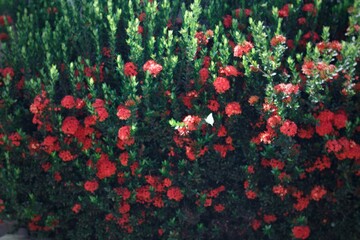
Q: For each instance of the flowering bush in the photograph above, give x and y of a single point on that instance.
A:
(176, 120)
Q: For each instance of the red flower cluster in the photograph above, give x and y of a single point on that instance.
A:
(242, 49)
(68, 102)
(105, 168)
(99, 106)
(174, 193)
(278, 39)
(286, 89)
(152, 67)
(124, 133)
(233, 108)
(284, 11)
(123, 112)
(301, 232)
(221, 84)
(6, 19)
(130, 69)
(288, 128)
(91, 186)
(70, 125)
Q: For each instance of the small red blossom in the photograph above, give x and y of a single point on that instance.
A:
(68, 102)
(255, 224)
(278, 39)
(288, 128)
(76, 208)
(233, 108)
(70, 125)
(227, 21)
(66, 156)
(230, 71)
(280, 191)
(124, 158)
(242, 49)
(269, 218)
(213, 105)
(191, 122)
(124, 207)
(130, 69)
(301, 232)
(124, 133)
(219, 207)
(284, 11)
(250, 194)
(123, 112)
(2, 205)
(302, 203)
(317, 193)
(152, 67)
(7, 72)
(105, 168)
(221, 84)
(91, 186)
(204, 75)
(174, 193)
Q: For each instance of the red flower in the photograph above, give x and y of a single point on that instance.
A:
(242, 49)
(124, 133)
(255, 224)
(227, 20)
(233, 108)
(317, 193)
(130, 69)
(123, 113)
(324, 128)
(230, 71)
(213, 105)
(68, 102)
(91, 186)
(191, 122)
(301, 232)
(124, 157)
(280, 191)
(309, 7)
(152, 67)
(250, 194)
(124, 208)
(4, 18)
(2, 205)
(190, 153)
(76, 208)
(288, 128)
(219, 207)
(66, 156)
(340, 120)
(143, 195)
(302, 203)
(308, 67)
(278, 39)
(57, 177)
(8, 72)
(174, 193)
(221, 84)
(204, 75)
(284, 11)
(70, 125)
(105, 168)
(269, 218)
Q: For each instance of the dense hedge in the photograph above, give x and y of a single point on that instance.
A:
(176, 119)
